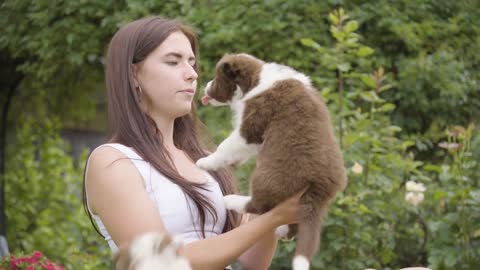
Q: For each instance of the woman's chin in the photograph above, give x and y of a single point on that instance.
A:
(184, 111)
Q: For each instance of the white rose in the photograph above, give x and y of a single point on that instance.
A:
(415, 187)
(414, 198)
(357, 168)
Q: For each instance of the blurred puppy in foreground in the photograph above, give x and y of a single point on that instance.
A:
(152, 251)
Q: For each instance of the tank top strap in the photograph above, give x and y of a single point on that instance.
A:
(127, 151)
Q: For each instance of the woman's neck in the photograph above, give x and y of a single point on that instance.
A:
(165, 126)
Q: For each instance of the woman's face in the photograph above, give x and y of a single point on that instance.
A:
(167, 78)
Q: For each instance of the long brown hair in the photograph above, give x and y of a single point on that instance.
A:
(133, 127)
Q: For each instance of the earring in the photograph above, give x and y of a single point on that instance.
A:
(139, 94)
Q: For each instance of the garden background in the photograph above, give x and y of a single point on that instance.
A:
(401, 79)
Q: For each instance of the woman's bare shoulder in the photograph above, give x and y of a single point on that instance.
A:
(107, 162)
(109, 170)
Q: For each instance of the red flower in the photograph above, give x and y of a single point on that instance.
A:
(37, 255)
(35, 261)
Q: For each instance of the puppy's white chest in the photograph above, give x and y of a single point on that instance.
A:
(238, 108)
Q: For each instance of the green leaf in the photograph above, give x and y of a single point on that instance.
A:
(408, 143)
(333, 18)
(338, 35)
(363, 209)
(70, 38)
(370, 96)
(451, 259)
(387, 255)
(344, 67)
(392, 129)
(308, 42)
(351, 26)
(385, 88)
(438, 195)
(432, 168)
(364, 51)
(387, 107)
(368, 81)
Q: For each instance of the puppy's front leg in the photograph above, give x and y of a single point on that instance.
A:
(233, 150)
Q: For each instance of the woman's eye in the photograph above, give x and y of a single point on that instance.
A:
(172, 63)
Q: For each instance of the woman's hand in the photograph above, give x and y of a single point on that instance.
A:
(288, 211)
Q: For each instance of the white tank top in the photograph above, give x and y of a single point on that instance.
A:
(178, 212)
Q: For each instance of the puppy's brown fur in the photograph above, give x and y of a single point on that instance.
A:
(298, 146)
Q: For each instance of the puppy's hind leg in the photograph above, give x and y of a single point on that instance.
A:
(238, 203)
(308, 237)
(253, 208)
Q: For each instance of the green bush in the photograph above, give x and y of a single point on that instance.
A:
(45, 210)
(371, 224)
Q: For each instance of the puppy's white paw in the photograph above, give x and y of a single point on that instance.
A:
(300, 263)
(209, 163)
(281, 231)
(236, 202)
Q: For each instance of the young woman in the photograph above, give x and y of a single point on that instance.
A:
(145, 178)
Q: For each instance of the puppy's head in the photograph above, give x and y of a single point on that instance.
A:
(235, 75)
(151, 251)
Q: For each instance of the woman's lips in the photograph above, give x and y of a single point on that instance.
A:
(188, 91)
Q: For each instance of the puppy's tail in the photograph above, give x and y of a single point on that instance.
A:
(308, 240)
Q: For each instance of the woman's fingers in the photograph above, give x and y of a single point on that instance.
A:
(299, 194)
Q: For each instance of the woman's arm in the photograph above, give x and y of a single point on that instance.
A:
(259, 256)
(219, 251)
(117, 195)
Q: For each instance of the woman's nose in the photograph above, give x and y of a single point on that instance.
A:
(190, 73)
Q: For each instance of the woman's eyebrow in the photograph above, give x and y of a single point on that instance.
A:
(179, 55)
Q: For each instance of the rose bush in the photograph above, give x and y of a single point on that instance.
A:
(36, 261)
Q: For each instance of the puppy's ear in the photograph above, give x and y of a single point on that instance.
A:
(229, 70)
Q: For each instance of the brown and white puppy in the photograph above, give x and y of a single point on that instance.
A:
(152, 251)
(279, 116)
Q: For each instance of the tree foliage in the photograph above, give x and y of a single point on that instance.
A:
(401, 79)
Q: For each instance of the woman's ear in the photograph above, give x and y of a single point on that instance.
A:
(135, 71)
